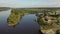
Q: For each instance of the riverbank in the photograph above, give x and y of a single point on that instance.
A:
(49, 22)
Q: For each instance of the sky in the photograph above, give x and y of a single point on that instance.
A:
(29, 3)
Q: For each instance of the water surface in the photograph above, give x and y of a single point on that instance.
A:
(27, 25)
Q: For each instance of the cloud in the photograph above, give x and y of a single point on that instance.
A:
(30, 3)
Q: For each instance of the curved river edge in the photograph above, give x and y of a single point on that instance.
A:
(27, 23)
(16, 18)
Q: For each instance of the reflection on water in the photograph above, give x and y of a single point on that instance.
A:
(27, 25)
(3, 21)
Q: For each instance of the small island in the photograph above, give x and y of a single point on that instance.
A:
(14, 17)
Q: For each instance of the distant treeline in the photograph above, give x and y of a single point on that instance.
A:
(4, 8)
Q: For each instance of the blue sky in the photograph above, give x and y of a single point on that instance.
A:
(29, 3)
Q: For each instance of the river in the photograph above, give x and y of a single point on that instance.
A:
(27, 25)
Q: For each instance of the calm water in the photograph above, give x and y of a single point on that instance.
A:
(27, 25)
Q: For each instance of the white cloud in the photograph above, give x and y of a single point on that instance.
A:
(37, 3)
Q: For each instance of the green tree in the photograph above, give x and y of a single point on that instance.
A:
(58, 32)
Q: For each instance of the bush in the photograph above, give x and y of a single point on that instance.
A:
(58, 32)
